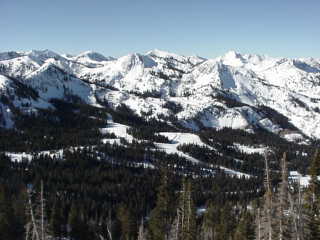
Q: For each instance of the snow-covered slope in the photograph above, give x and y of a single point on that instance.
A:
(241, 91)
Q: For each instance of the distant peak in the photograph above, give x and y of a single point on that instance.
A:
(67, 55)
(163, 54)
(45, 52)
(43, 55)
(89, 53)
(232, 54)
(9, 55)
(233, 58)
(95, 56)
(157, 51)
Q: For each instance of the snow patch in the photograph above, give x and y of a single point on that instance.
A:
(251, 149)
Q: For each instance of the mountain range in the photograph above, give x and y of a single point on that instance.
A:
(238, 91)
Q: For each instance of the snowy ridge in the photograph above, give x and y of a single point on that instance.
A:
(241, 91)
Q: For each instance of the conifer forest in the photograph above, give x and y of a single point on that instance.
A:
(69, 184)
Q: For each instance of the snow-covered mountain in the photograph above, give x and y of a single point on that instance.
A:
(241, 91)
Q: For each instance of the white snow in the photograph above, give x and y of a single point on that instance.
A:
(289, 86)
(184, 138)
(235, 173)
(172, 149)
(118, 129)
(303, 181)
(177, 139)
(294, 137)
(251, 149)
(19, 156)
(3, 81)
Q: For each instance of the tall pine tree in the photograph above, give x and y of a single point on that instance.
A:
(313, 200)
(162, 215)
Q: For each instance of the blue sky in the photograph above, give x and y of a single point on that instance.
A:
(206, 28)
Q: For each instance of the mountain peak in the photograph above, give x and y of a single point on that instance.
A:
(95, 56)
(9, 55)
(163, 54)
(233, 58)
(45, 53)
(290, 87)
(42, 55)
(232, 54)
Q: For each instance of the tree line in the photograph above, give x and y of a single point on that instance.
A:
(81, 197)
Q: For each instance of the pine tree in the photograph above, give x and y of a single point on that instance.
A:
(266, 227)
(106, 223)
(78, 229)
(190, 223)
(282, 220)
(186, 213)
(219, 222)
(128, 231)
(245, 228)
(227, 224)
(7, 218)
(258, 221)
(206, 232)
(37, 226)
(162, 215)
(56, 221)
(44, 226)
(297, 209)
(142, 232)
(19, 206)
(313, 200)
(175, 228)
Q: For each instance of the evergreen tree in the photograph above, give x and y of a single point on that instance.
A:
(297, 209)
(267, 213)
(162, 215)
(57, 221)
(37, 225)
(19, 206)
(245, 229)
(313, 200)
(210, 220)
(283, 217)
(258, 221)
(186, 212)
(8, 222)
(225, 228)
(78, 228)
(142, 233)
(127, 224)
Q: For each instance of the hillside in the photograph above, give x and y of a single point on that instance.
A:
(112, 140)
(279, 95)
